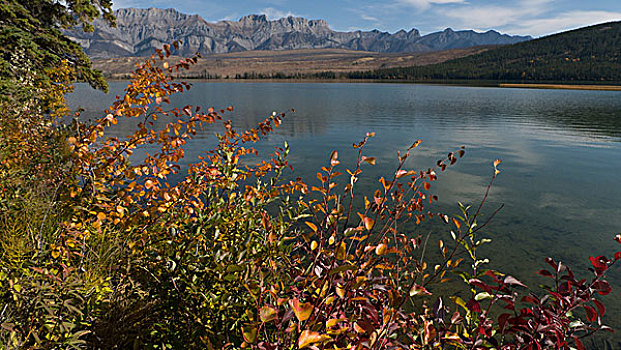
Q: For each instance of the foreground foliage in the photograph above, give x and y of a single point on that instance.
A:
(102, 250)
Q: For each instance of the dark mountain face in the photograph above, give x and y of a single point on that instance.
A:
(140, 31)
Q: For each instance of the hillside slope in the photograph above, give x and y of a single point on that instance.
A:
(299, 64)
(587, 54)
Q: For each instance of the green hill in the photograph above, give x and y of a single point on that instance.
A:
(590, 54)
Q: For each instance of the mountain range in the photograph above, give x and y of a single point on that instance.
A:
(589, 54)
(140, 31)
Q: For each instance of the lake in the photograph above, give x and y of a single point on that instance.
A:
(561, 152)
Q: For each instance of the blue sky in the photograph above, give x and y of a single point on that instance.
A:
(533, 17)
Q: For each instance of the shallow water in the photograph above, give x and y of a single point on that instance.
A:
(560, 150)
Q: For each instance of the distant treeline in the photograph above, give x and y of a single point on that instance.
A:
(587, 54)
(591, 54)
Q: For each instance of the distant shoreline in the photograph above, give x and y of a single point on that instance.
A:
(563, 87)
(545, 86)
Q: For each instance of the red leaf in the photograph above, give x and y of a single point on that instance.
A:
(600, 307)
(502, 321)
(602, 287)
(617, 255)
(546, 273)
(473, 305)
(599, 264)
(551, 263)
(590, 313)
(478, 283)
(579, 344)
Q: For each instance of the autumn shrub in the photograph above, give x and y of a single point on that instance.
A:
(102, 249)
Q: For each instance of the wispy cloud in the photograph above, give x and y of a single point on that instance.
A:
(369, 18)
(425, 4)
(563, 21)
(273, 13)
(495, 16)
(533, 17)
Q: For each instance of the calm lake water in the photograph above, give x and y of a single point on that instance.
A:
(561, 153)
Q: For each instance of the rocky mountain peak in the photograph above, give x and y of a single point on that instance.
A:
(253, 19)
(140, 31)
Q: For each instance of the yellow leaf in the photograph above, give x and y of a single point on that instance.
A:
(312, 226)
(340, 291)
(302, 311)
(381, 249)
(310, 337)
(268, 313)
(333, 322)
(250, 334)
(341, 251)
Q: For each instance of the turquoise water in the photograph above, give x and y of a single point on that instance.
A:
(561, 152)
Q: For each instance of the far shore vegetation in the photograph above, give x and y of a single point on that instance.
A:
(586, 58)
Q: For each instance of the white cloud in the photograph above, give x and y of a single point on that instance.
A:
(531, 17)
(424, 4)
(273, 13)
(495, 16)
(563, 21)
(369, 18)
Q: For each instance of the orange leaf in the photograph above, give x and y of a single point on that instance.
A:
(415, 144)
(370, 160)
(368, 223)
(381, 249)
(310, 337)
(334, 158)
(340, 291)
(250, 334)
(268, 313)
(496, 163)
(302, 311)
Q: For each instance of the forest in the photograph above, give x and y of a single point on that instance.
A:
(591, 54)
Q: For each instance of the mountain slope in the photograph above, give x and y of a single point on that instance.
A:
(140, 31)
(587, 54)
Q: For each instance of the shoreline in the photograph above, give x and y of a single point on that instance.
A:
(544, 86)
(562, 87)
